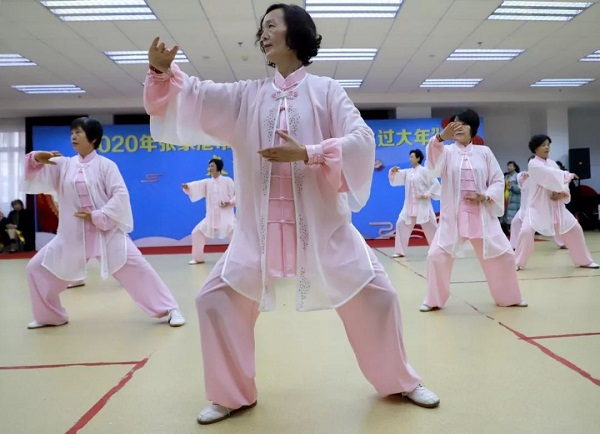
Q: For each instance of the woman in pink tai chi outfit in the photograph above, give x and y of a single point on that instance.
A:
(219, 221)
(421, 187)
(472, 200)
(300, 148)
(94, 219)
(546, 211)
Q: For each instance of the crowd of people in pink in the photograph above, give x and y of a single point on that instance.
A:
(301, 150)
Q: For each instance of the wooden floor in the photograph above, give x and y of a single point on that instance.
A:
(497, 370)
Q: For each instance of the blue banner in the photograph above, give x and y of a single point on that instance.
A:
(153, 172)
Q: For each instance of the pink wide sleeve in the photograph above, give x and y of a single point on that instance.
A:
(546, 176)
(101, 221)
(435, 191)
(41, 178)
(397, 178)
(495, 184)
(185, 110)
(231, 192)
(521, 178)
(436, 159)
(196, 190)
(118, 207)
(352, 144)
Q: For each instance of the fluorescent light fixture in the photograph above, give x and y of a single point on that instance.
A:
(484, 54)
(48, 89)
(562, 82)
(593, 57)
(353, 8)
(100, 10)
(451, 82)
(15, 60)
(517, 10)
(350, 83)
(346, 54)
(141, 56)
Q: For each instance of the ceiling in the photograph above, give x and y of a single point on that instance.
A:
(218, 38)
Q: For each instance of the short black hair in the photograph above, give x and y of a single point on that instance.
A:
(92, 128)
(537, 140)
(302, 33)
(517, 168)
(469, 117)
(12, 204)
(418, 154)
(218, 162)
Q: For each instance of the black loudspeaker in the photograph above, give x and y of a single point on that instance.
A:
(579, 162)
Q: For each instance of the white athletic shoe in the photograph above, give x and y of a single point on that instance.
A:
(423, 397)
(192, 262)
(216, 413)
(36, 325)
(176, 319)
(397, 255)
(591, 265)
(425, 308)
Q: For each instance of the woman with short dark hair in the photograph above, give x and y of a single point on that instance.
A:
(546, 211)
(421, 187)
(302, 154)
(472, 200)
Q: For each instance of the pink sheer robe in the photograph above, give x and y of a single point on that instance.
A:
(219, 221)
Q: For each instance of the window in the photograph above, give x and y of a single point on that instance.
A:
(12, 156)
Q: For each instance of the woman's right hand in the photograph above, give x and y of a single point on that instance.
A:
(160, 56)
(395, 169)
(44, 157)
(185, 186)
(451, 128)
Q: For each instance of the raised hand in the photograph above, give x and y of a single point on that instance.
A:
(185, 187)
(395, 169)
(160, 56)
(289, 151)
(44, 157)
(449, 131)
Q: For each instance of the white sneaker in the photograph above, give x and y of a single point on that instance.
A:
(192, 262)
(523, 303)
(423, 397)
(591, 265)
(216, 413)
(176, 319)
(76, 284)
(425, 308)
(519, 268)
(397, 255)
(36, 325)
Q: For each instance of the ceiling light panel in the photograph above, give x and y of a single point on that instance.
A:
(484, 54)
(451, 82)
(336, 54)
(48, 89)
(100, 10)
(15, 60)
(350, 84)
(593, 57)
(562, 82)
(538, 10)
(141, 56)
(353, 8)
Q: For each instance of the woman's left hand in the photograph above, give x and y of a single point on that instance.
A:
(291, 150)
(479, 197)
(86, 215)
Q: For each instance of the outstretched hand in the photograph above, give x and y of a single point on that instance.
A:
(449, 131)
(160, 56)
(289, 151)
(44, 157)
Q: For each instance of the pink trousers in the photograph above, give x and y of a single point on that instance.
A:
(137, 276)
(500, 273)
(371, 318)
(198, 243)
(403, 232)
(573, 239)
(515, 229)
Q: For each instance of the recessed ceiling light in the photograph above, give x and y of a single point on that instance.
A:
(353, 8)
(346, 54)
(15, 60)
(484, 54)
(48, 89)
(451, 82)
(347, 83)
(562, 82)
(518, 10)
(140, 56)
(593, 57)
(100, 10)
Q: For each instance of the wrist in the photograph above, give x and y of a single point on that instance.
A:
(439, 138)
(155, 69)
